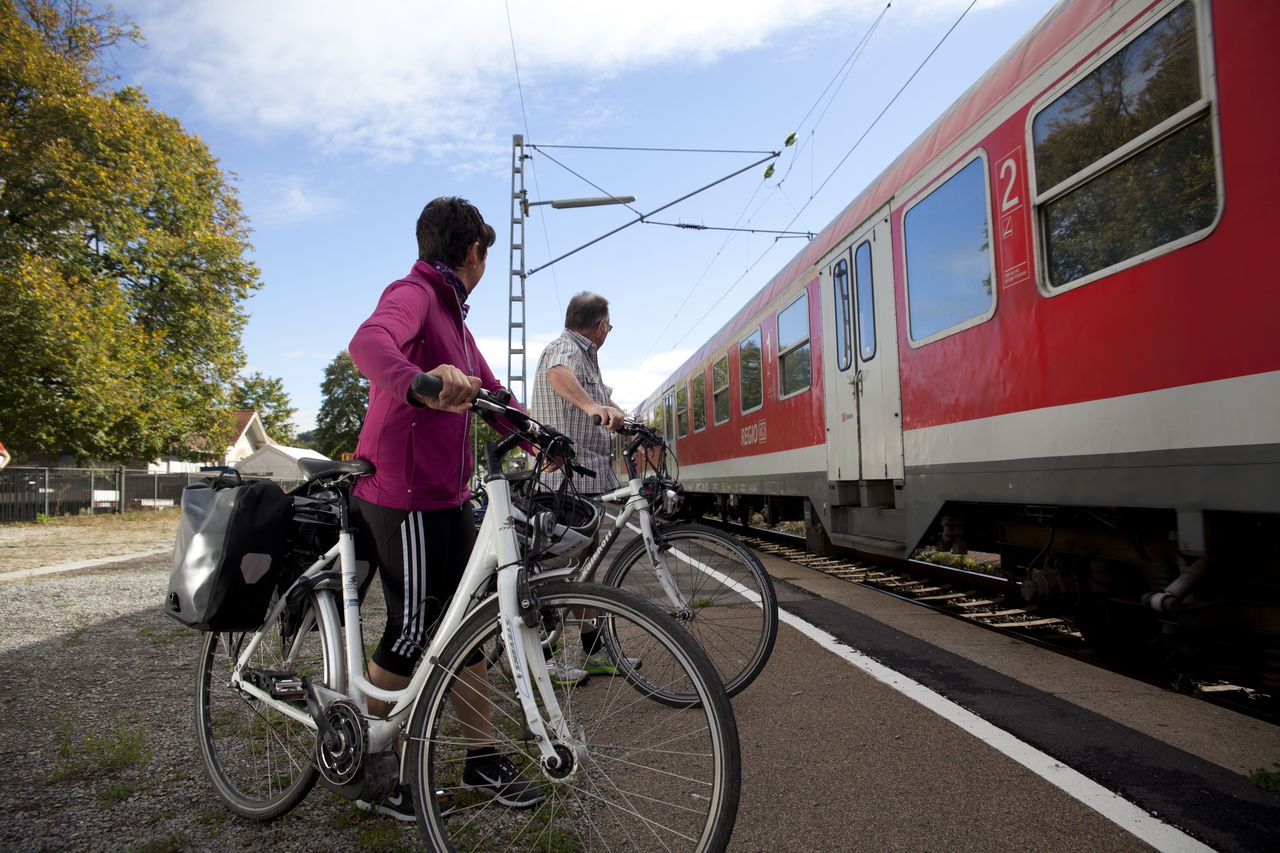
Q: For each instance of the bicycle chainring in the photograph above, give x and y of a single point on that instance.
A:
(341, 764)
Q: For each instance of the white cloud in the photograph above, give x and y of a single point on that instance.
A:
(631, 383)
(287, 200)
(392, 79)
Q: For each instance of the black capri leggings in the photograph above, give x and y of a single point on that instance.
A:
(421, 558)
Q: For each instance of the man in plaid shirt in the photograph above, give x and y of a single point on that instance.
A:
(568, 391)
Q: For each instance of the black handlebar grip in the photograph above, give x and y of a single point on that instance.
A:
(426, 385)
(595, 419)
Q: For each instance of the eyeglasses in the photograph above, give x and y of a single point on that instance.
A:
(608, 327)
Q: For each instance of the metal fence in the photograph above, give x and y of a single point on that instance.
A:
(26, 493)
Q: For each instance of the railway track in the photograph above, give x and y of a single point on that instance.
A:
(993, 602)
(987, 600)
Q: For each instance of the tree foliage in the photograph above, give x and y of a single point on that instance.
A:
(122, 253)
(266, 394)
(344, 400)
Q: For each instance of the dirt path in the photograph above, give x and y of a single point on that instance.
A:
(65, 540)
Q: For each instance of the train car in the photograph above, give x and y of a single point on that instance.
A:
(1047, 332)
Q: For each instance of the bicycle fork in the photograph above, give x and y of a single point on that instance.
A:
(682, 610)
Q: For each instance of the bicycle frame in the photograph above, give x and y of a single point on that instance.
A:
(497, 550)
(633, 503)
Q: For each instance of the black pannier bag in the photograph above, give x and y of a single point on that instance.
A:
(231, 543)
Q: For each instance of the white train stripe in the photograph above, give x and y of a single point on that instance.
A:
(1115, 808)
(1236, 412)
(801, 460)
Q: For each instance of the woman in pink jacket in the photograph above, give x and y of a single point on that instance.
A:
(416, 504)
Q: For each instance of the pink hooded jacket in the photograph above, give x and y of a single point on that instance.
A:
(423, 456)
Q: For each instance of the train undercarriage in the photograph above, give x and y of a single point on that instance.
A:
(1139, 598)
(1124, 577)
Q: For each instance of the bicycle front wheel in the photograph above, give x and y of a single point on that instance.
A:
(727, 599)
(259, 760)
(639, 774)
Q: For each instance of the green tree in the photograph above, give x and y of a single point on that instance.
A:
(345, 398)
(122, 253)
(266, 394)
(307, 438)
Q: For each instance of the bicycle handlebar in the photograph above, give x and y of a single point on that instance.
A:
(632, 428)
(489, 403)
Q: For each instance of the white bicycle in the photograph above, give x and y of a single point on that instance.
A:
(634, 762)
(713, 585)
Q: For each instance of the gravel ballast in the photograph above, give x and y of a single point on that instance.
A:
(96, 711)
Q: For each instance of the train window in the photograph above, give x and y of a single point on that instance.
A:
(720, 389)
(667, 411)
(795, 366)
(698, 393)
(948, 248)
(1124, 159)
(682, 411)
(749, 372)
(866, 302)
(840, 286)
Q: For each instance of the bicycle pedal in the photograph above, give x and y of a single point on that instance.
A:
(288, 688)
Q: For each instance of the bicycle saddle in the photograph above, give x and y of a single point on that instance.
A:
(316, 468)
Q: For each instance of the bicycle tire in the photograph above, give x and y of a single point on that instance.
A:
(260, 761)
(712, 570)
(644, 774)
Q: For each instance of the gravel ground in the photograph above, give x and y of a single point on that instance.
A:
(96, 688)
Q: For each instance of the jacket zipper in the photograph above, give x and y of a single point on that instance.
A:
(466, 421)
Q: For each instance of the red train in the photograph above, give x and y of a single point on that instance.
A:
(1047, 331)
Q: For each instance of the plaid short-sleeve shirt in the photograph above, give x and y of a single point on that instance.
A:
(591, 442)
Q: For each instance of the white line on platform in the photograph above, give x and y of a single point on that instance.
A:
(81, 564)
(1115, 808)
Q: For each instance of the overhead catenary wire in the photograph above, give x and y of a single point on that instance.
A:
(833, 172)
(892, 101)
(845, 69)
(660, 150)
(643, 216)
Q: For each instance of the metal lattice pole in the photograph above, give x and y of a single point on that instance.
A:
(516, 362)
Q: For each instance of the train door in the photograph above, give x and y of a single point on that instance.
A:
(860, 358)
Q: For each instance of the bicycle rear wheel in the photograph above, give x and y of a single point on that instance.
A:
(259, 760)
(729, 604)
(643, 775)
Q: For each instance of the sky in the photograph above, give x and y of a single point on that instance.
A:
(338, 121)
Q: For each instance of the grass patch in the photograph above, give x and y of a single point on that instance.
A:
(171, 843)
(75, 636)
(213, 817)
(1267, 780)
(115, 792)
(956, 561)
(93, 754)
(385, 838)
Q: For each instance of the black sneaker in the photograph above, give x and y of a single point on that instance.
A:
(492, 774)
(400, 804)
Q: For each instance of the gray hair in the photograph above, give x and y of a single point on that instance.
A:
(585, 311)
